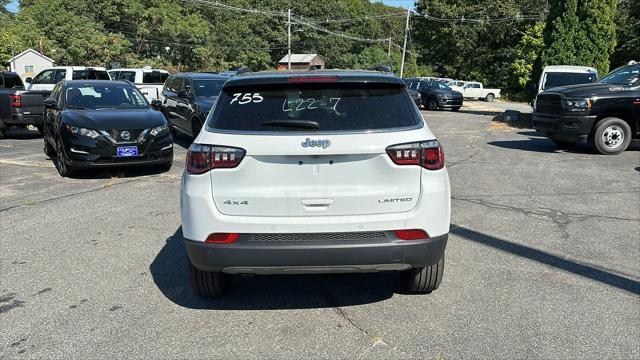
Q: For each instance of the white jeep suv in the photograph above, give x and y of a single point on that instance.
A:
(315, 172)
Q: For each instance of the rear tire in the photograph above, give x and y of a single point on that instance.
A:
(3, 130)
(611, 136)
(431, 105)
(490, 98)
(207, 283)
(455, 108)
(425, 280)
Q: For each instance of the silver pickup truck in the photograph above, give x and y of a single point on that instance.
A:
(18, 107)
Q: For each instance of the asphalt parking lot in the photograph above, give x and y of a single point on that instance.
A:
(543, 262)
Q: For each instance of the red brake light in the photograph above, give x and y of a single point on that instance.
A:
(16, 100)
(203, 158)
(222, 238)
(305, 79)
(413, 234)
(427, 154)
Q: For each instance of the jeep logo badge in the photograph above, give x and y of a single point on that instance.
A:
(324, 143)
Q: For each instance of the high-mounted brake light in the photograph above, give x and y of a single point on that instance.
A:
(222, 238)
(202, 158)
(427, 154)
(412, 234)
(313, 79)
(16, 101)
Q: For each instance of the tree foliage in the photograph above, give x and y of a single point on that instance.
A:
(628, 33)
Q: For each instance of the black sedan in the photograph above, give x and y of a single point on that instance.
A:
(188, 98)
(100, 123)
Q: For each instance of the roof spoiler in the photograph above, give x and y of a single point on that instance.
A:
(242, 70)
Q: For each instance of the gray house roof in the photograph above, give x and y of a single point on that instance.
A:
(298, 58)
(30, 51)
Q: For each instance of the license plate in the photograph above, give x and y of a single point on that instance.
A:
(126, 151)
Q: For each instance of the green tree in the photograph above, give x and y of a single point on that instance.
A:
(628, 33)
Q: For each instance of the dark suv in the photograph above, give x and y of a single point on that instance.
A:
(187, 98)
(605, 114)
(435, 94)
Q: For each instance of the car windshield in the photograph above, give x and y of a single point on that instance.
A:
(562, 79)
(627, 75)
(314, 107)
(208, 87)
(437, 85)
(111, 96)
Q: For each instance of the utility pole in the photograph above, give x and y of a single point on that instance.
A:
(389, 51)
(289, 39)
(404, 47)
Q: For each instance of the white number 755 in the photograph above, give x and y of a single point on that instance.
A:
(246, 98)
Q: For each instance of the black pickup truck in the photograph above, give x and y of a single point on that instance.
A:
(18, 107)
(605, 113)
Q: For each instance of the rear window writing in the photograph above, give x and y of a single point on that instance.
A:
(342, 107)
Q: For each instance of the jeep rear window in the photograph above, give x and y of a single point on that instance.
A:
(335, 107)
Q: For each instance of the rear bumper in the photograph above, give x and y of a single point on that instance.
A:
(246, 257)
(21, 119)
(574, 128)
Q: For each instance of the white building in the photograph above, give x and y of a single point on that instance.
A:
(29, 62)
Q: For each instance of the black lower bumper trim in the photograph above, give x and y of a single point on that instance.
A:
(319, 257)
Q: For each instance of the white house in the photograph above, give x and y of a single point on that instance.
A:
(29, 62)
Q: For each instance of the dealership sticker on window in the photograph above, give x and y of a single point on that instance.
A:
(310, 104)
(246, 98)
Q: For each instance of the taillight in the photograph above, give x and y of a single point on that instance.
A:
(16, 101)
(427, 154)
(413, 234)
(202, 158)
(222, 238)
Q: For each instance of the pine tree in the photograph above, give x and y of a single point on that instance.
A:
(598, 39)
(561, 34)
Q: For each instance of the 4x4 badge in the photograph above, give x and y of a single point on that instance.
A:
(324, 143)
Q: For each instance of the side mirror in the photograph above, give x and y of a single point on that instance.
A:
(28, 80)
(156, 104)
(50, 104)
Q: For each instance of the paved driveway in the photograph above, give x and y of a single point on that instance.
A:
(543, 262)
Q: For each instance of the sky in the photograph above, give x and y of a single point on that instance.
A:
(13, 6)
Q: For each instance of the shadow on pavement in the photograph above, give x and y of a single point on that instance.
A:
(267, 292)
(478, 112)
(22, 134)
(540, 145)
(546, 258)
(182, 140)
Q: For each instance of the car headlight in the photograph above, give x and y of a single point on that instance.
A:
(158, 129)
(576, 104)
(82, 131)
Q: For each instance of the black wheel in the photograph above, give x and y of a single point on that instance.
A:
(489, 97)
(431, 104)
(48, 149)
(561, 144)
(426, 279)
(611, 136)
(455, 108)
(196, 126)
(207, 283)
(61, 163)
(166, 166)
(3, 130)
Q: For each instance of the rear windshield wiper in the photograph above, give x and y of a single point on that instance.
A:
(296, 124)
(76, 107)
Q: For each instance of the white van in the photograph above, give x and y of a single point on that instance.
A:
(562, 75)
